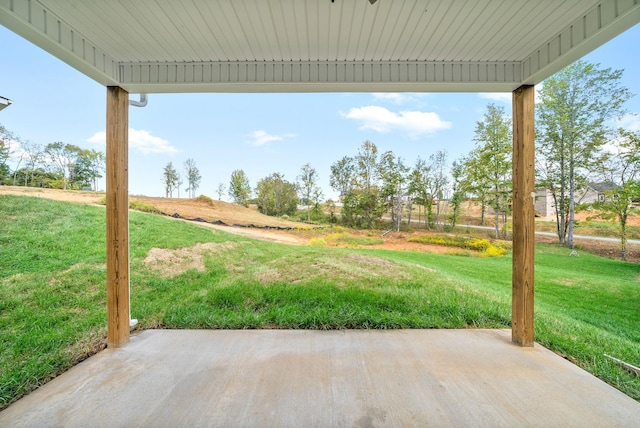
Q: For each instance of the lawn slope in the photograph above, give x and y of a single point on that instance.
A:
(53, 299)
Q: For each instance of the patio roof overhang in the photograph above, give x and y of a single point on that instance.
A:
(163, 46)
(154, 46)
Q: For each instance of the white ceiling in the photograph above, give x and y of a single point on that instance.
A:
(318, 45)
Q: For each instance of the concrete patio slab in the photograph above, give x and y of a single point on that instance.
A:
(300, 378)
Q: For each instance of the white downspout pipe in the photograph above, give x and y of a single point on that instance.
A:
(141, 103)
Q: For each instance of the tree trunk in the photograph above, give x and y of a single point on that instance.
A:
(572, 208)
(623, 237)
(497, 214)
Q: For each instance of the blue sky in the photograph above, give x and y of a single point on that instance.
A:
(259, 133)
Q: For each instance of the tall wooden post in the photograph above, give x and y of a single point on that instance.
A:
(522, 331)
(117, 217)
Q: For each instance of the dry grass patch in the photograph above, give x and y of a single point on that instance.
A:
(88, 345)
(352, 267)
(169, 263)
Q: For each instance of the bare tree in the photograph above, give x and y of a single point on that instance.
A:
(193, 177)
(220, 190)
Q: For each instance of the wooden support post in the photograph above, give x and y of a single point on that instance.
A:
(522, 331)
(117, 217)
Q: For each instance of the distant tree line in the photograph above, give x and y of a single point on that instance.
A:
(575, 145)
(56, 165)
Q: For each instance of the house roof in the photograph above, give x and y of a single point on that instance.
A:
(603, 186)
(156, 46)
(4, 102)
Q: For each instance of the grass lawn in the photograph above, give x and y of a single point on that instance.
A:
(53, 298)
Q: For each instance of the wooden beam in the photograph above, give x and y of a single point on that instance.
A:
(117, 217)
(522, 330)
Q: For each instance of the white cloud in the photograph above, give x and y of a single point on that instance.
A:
(140, 140)
(630, 122)
(414, 123)
(260, 138)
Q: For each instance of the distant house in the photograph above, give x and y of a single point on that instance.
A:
(593, 192)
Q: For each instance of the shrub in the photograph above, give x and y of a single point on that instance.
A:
(317, 242)
(483, 247)
(205, 199)
(143, 206)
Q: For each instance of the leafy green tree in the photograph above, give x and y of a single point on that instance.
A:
(457, 173)
(357, 180)
(239, 188)
(40, 177)
(193, 177)
(20, 155)
(6, 138)
(81, 174)
(62, 157)
(475, 182)
(395, 176)
(419, 185)
(620, 168)
(438, 182)
(343, 175)
(576, 104)
(492, 160)
(97, 165)
(276, 196)
(34, 154)
(310, 192)
(170, 179)
(366, 187)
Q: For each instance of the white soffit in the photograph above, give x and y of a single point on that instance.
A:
(157, 46)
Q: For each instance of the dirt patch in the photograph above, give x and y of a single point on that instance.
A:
(169, 263)
(360, 258)
(215, 211)
(55, 194)
(209, 210)
(282, 237)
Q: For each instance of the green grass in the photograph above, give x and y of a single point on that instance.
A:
(52, 291)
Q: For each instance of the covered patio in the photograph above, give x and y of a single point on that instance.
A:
(298, 378)
(150, 46)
